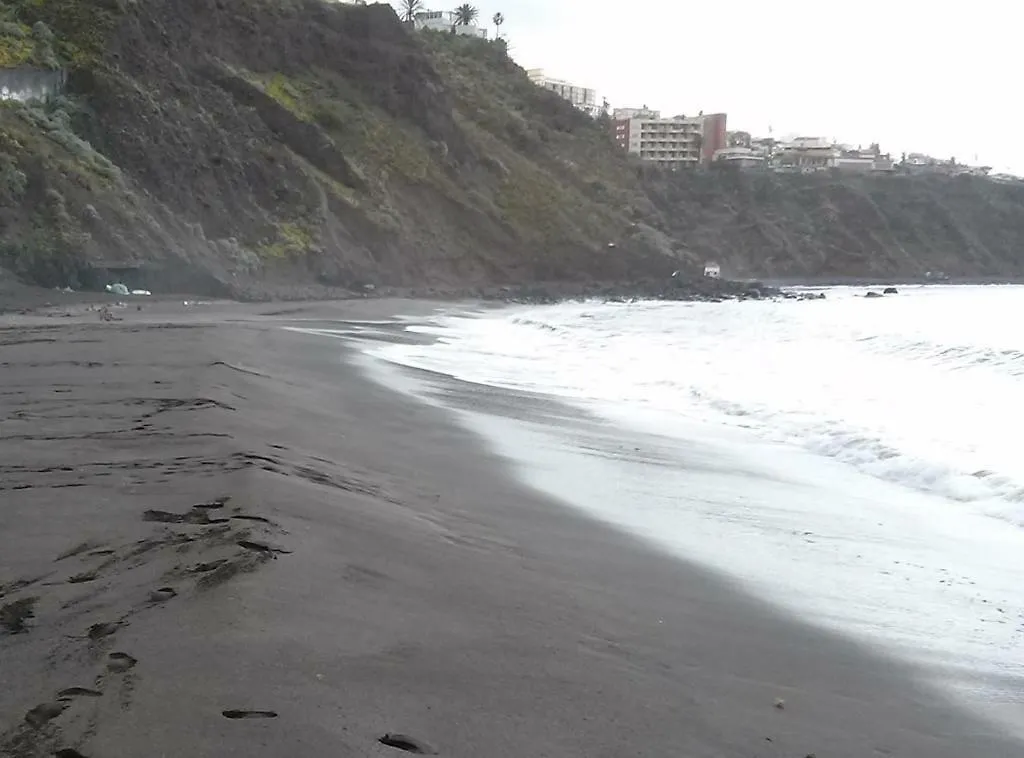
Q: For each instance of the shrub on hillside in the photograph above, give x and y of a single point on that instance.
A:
(12, 181)
(55, 122)
(43, 54)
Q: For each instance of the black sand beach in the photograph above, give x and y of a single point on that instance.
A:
(219, 539)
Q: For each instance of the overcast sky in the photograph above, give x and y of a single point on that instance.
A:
(938, 78)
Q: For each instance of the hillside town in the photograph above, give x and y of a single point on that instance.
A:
(681, 141)
(703, 140)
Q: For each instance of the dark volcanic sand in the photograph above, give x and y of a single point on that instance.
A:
(217, 539)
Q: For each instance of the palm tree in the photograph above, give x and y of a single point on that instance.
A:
(498, 20)
(466, 14)
(409, 10)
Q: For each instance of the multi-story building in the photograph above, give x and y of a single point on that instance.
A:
(583, 98)
(676, 142)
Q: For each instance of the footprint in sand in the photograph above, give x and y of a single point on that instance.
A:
(213, 504)
(38, 716)
(195, 516)
(249, 714)
(101, 630)
(261, 547)
(120, 662)
(162, 595)
(406, 743)
(247, 517)
(85, 576)
(73, 692)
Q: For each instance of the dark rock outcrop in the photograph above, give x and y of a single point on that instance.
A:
(681, 288)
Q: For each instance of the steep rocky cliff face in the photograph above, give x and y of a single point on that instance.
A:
(248, 146)
(763, 224)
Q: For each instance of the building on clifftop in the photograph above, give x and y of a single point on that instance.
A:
(673, 143)
(584, 98)
(447, 21)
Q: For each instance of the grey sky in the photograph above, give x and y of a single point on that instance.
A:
(914, 76)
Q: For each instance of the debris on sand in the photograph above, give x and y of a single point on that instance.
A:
(249, 714)
(13, 616)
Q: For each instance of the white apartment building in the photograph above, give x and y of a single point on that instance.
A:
(583, 98)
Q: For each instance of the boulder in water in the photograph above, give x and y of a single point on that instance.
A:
(890, 291)
(872, 293)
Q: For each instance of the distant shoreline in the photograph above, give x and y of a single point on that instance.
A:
(906, 281)
(26, 299)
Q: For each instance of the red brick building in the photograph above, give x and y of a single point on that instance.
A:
(715, 136)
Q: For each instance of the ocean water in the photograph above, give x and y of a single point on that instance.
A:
(854, 461)
(925, 390)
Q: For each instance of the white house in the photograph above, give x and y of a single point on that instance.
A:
(446, 21)
(712, 270)
(741, 157)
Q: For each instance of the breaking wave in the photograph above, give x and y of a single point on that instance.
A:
(924, 389)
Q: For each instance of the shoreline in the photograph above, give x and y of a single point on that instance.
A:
(904, 281)
(788, 527)
(403, 580)
(30, 301)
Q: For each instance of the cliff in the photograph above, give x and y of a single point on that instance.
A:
(833, 227)
(247, 147)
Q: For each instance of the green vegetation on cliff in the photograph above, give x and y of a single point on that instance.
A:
(250, 145)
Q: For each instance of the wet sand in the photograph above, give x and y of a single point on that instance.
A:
(218, 538)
